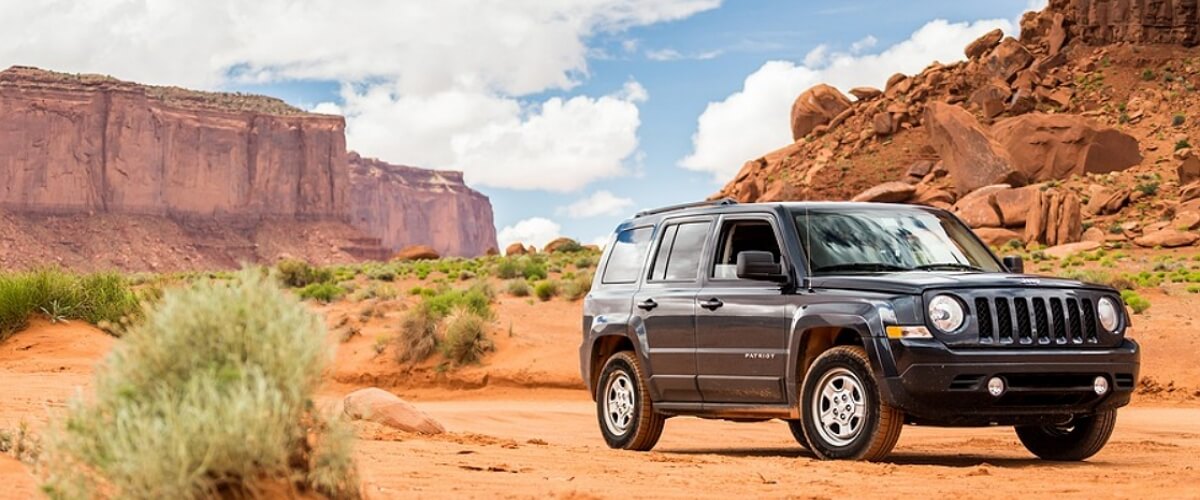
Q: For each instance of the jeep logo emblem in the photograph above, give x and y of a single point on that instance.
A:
(1029, 281)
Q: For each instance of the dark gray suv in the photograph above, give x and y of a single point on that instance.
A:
(847, 320)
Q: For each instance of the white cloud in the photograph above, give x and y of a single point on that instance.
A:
(536, 231)
(436, 84)
(755, 120)
(663, 55)
(629, 45)
(599, 203)
(817, 56)
(867, 42)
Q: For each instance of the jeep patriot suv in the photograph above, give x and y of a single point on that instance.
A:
(847, 320)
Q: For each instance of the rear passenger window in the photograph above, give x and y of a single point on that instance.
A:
(628, 254)
(678, 257)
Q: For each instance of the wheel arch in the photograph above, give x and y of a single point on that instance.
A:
(602, 348)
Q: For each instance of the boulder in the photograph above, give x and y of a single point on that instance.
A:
(1189, 192)
(1167, 238)
(1094, 234)
(888, 192)
(970, 155)
(1046, 147)
(416, 252)
(1014, 205)
(920, 169)
(1188, 169)
(1068, 249)
(1104, 201)
(932, 196)
(991, 99)
(1186, 221)
(491, 251)
(883, 123)
(1008, 59)
(997, 237)
(865, 93)
(816, 106)
(382, 407)
(983, 44)
(562, 245)
(515, 249)
(1055, 219)
(978, 209)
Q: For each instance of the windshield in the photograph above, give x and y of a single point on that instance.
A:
(874, 240)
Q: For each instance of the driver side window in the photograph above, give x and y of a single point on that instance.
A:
(738, 236)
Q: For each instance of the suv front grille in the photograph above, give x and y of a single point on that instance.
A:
(1052, 320)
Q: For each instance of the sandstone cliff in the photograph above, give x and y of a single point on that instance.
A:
(412, 206)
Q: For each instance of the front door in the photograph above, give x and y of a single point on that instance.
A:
(741, 325)
(666, 304)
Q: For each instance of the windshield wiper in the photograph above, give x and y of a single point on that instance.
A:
(862, 266)
(949, 266)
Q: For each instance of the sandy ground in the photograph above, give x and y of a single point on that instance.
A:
(519, 428)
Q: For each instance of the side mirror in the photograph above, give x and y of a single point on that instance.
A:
(1015, 264)
(760, 266)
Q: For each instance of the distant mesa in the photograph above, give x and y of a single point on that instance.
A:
(138, 177)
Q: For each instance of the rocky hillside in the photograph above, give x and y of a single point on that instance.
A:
(1079, 130)
(265, 178)
(409, 206)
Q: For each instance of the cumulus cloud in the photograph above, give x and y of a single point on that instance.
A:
(437, 84)
(868, 42)
(755, 119)
(599, 203)
(536, 231)
(663, 55)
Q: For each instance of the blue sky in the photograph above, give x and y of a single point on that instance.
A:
(545, 105)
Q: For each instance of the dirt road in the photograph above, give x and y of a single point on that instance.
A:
(496, 449)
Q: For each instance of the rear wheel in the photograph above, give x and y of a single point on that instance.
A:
(844, 416)
(623, 407)
(1078, 440)
(797, 428)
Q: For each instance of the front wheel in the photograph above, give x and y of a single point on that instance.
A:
(1077, 440)
(844, 416)
(623, 407)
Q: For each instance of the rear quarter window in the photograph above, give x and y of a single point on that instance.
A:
(627, 256)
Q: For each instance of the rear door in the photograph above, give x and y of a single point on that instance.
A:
(742, 325)
(666, 303)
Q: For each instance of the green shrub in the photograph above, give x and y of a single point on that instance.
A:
(101, 299)
(577, 287)
(418, 335)
(518, 288)
(324, 292)
(1178, 120)
(465, 340)
(299, 274)
(508, 268)
(1148, 74)
(382, 274)
(1193, 289)
(545, 290)
(1135, 302)
(534, 270)
(1089, 276)
(1148, 188)
(585, 262)
(210, 395)
(1182, 144)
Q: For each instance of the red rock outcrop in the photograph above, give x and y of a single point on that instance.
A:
(1047, 147)
(81, 143)
(414, 206)
(1103, 22)
(973, 158)
(816, 106)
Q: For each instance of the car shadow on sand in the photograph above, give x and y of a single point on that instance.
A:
(901, 458)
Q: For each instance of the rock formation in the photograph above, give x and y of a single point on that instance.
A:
(413, 206)
(203, 179)
(817, 106)
(1102, 22)
(1046, 147)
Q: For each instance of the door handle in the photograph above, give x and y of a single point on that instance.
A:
(712, 304)
(647, 304)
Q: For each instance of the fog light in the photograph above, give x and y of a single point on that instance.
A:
(1100, 385)
(995, 386)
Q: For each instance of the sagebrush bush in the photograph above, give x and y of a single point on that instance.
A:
(534, 270)
(299, 274)
(508, 268)
(211, 395)
(418, 335)
(100, 298)
(466, 339)
(545, 290)
(577, 287)
(1135, 302)
(324, 292)
(518, 288)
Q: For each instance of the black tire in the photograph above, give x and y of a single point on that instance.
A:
(1076, 441)
(622, 373)
(865, 428)
(797, 428)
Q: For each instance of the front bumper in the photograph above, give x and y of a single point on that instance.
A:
(934, 384)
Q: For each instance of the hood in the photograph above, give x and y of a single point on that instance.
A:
(915, 282)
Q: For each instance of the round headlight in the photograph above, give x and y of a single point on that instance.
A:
(946, 313)
(1106, 309)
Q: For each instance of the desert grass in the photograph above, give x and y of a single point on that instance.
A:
(211, 395)
(100, 298)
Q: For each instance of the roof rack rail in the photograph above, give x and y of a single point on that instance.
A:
(696, 204)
